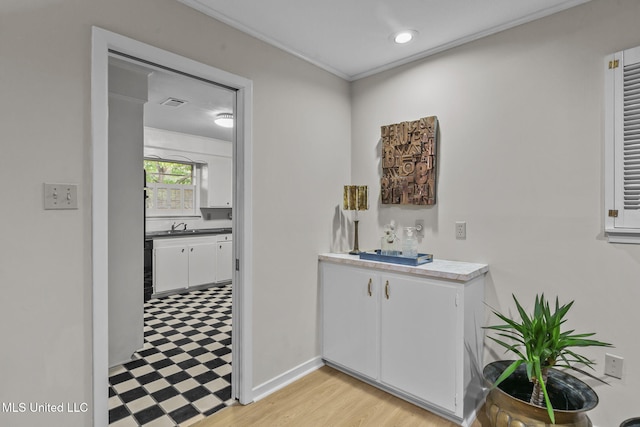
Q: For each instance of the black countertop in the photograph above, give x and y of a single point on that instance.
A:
(186, 233)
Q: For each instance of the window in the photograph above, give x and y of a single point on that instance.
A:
(171, 188)
(622, 146)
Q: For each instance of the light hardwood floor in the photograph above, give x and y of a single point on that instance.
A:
(328, 398)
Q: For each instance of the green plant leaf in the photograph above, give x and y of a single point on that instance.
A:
(509, 347)
(507, 372)
(547, 401)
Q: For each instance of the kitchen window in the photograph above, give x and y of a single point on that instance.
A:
(171, 188)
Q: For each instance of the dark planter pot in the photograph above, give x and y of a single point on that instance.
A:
(508, 404)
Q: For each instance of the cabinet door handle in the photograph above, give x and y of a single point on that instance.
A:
(182, 249)
(386, 289)
(191, 249)
(369, 287)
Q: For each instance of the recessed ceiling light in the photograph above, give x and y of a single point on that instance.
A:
(404, 36)
(224, 120)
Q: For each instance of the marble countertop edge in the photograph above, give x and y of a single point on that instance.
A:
(446, 269)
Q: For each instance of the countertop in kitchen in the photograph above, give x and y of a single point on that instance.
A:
(165, 234)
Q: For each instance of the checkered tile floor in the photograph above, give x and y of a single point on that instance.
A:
(183, 372)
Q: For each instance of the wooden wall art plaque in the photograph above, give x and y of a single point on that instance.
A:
(409, 162)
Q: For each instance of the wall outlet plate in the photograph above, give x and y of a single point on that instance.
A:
(613, 365)
(461, 230)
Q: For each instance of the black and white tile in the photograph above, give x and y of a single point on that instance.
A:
(183, 372)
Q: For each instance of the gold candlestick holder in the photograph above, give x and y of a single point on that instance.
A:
(355, 198)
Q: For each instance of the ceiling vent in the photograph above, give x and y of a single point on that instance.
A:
(173, 102)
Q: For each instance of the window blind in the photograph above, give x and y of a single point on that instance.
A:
(631, 132)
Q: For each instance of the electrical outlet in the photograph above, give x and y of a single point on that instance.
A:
(461, 230)
(613, 365)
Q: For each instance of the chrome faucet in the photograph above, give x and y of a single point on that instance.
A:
(175, 226)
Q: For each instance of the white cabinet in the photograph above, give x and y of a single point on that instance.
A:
(202, 265)
(224, 258)
(417, 336)
(350, 322)
(220, 182)
(171, 267)
(183, 262)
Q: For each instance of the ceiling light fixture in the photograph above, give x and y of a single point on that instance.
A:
(405, 36)
(224, 119)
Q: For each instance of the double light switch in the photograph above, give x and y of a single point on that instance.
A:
(60, 196)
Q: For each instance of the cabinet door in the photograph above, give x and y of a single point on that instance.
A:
(221, 181)
(171, 268)
(350, 318)
(224, 261)
(419, 337)
(202, 263)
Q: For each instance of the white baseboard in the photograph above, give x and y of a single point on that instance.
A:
(275, 384)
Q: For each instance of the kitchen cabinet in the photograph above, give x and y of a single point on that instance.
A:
(221, 182)
(412, 331)
(224, 258)
(202, 267)
(350, 327)
(171, 268)
(418, 321)
(183, 262)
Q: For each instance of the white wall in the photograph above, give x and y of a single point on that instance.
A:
(191, 144)
(127, 95)
(301, 159)
(521, 161)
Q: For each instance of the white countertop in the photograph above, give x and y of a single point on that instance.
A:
(452, 270)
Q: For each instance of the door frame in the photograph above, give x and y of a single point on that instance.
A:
(242, 355)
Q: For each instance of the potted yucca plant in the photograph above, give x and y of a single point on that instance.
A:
(540, 344)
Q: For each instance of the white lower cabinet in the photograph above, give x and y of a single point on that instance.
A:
(419, 338)
(350, 321)
(202, 262)
(183, 262)
(171, 267)
(418, 329)
(224, 258)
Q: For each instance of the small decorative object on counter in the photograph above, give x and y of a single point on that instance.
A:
(355, 198)
(415, 261)
(389, 242)
(409, 243)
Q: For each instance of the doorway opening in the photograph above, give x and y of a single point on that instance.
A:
(182, 373)
(105, 42)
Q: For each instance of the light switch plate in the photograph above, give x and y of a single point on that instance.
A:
(60, 196)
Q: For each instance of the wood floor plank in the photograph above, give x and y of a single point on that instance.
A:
(328, 398)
